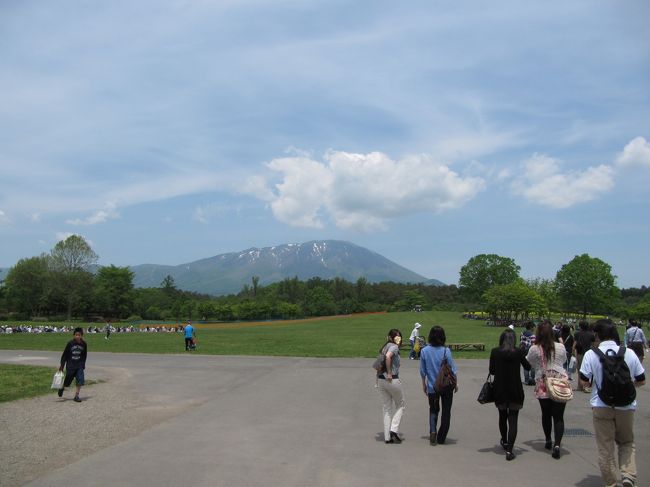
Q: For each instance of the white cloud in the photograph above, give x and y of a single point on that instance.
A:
(100, 216)
(635, 153)
(543, 183)
(364, 191)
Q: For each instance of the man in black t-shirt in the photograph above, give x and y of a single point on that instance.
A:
(584, 339)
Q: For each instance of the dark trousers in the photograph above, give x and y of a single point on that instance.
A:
(445, 419)
(552, 419)
(508, 419)
(188, 342)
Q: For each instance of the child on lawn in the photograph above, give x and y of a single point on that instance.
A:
(74, 360)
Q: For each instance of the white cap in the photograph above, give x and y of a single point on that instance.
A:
(418, 325)
(512, 327)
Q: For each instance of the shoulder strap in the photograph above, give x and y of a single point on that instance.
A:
(621, 351)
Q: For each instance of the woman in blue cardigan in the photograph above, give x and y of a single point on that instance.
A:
(506, 361)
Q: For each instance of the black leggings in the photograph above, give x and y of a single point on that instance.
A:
(552, 411)
(508, 426)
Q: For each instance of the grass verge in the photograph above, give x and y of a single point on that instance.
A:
(21, 381)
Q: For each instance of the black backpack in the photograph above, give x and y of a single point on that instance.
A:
(616, 388)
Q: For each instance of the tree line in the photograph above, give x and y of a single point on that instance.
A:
(67, 284)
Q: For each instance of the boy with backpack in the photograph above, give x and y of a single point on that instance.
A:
(614, 373)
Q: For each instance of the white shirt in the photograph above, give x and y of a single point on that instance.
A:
(592, 369)
(415, 333)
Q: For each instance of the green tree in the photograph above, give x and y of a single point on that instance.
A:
(514, 301)
(484, 271)
(255, 280)
(320, 302)
(547, 290)
(168, 286)
(26, 284)
(113, 291)
(586, 284)
(70, 261)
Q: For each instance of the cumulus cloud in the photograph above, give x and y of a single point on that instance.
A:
(543, 183)
(100, 216)
(635, 153)
(365, 191)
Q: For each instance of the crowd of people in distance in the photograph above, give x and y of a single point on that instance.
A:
(8, 329)
(107, 329)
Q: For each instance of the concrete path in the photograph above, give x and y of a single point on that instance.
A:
(252, 421)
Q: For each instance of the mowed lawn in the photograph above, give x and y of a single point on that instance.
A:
(20, 381)
(346, 336)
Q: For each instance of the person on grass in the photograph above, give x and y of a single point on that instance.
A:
(74, 360)
(506, 361)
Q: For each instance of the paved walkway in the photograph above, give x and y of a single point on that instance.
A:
(251, 421)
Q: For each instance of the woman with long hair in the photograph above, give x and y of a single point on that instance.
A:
(390, 387)
(431, 360)
(547, 354)
(506, 361)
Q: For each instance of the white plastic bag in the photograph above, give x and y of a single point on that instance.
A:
(572, 365)
(57, 380)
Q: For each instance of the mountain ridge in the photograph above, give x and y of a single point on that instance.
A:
(227, 273)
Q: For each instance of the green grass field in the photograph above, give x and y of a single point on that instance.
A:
(349, 336)
(20, 381)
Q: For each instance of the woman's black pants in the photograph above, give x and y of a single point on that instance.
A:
(552, 419)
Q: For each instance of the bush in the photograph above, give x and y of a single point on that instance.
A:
(133, 318)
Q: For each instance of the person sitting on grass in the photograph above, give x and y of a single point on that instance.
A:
(74, 360)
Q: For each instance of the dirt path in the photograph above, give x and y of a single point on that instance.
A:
(45, 433)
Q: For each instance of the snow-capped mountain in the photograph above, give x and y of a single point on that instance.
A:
(227, 273)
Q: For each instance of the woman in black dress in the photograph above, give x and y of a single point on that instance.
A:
(505, 364)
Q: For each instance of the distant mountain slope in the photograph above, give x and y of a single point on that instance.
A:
(227, 273)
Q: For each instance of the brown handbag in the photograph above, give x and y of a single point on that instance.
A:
(446, 380)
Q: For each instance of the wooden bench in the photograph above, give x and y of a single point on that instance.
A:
(471, 347)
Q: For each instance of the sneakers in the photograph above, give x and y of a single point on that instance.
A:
(60, 392)
(433, 439)
(548, 445)
(395, 437)
(510, 456)
(628, 482)
(77, 399)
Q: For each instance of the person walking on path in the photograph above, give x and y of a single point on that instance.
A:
(613, 426)
(189, 335)
(431, 360)
(74, 360)
(526, 340)
(415, 334)
(390, 387)
(567, 341)
(583, 340)
(506, 361)
(547, 354)
(636, 340)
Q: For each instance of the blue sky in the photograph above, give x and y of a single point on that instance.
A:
(168, 131)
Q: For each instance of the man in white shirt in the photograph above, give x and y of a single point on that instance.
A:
(414, 336)
(612, 425)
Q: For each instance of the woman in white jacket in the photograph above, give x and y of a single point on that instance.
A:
(547, 354)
